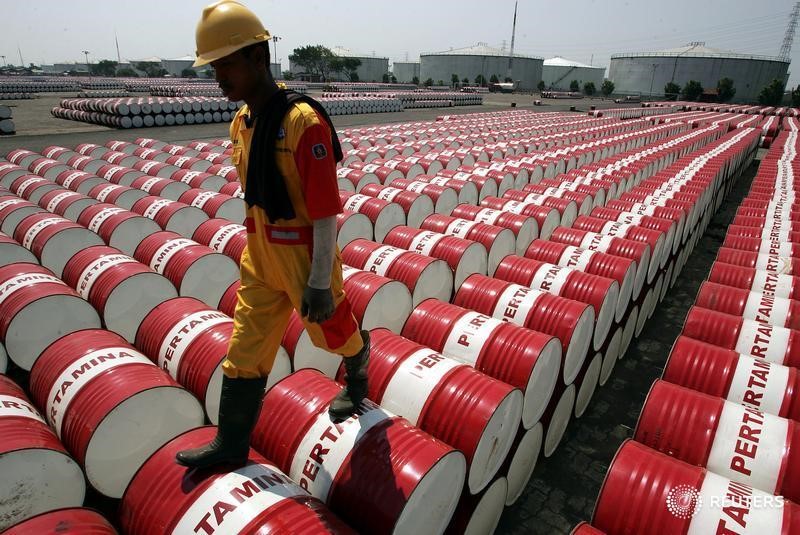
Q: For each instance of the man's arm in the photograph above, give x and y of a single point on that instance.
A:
(323, 252)
(317, 302)
(317, 169)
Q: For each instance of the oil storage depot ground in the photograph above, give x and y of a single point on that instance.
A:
(564, 486)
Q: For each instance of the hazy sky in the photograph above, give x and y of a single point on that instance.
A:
(584, 30)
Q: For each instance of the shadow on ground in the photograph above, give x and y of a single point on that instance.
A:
(564, 487)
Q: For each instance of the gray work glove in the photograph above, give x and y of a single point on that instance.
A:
(317, 305)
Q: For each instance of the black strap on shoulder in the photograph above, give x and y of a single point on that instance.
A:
(293, 97)
(266, 186)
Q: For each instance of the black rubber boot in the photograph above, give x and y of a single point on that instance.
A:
(239, 405)
(349, 399)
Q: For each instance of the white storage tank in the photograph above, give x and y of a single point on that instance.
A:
(558, 73)
(471, 61)
(647, 73)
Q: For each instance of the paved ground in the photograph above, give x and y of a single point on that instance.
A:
(564, 487)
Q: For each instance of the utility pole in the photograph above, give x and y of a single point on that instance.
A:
(511, 52)
(116, 42)
(275, 40)
(4, 60)
(88, 69)
(652, 79)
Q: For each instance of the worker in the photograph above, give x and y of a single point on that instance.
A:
(285, 150)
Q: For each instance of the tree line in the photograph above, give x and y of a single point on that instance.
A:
(319, 61)
(589, 88)
(770, 95)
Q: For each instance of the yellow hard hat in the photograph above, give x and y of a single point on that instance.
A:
(225, 27)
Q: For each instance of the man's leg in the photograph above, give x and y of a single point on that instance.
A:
(341, 335)
(259, 322)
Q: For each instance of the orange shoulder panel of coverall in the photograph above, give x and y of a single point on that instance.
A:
(277, 261)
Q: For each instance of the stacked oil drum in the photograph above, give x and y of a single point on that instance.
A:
(17, 87)
(410, 99)
(715, 448)
(7, 126)
(336, 104)
(503, 267)
(146, 111)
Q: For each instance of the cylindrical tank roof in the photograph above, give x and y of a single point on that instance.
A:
(480, 49)
(563, 62)
(698, 50)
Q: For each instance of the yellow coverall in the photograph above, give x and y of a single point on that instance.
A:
(276, 264)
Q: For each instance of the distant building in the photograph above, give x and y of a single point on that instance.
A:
(647, 73)
(176, 66)
(405, 71)
(372, 68)
(481, 59)
(60, 68)
(151, 59)
(558, 73)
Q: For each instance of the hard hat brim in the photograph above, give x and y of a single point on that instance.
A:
(219, 53)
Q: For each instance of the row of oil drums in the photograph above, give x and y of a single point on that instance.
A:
(193, 161)
(5, 95)
(113, 398)
(347, 105)
(155, 231)
(411, 99)
(561, 94)
(7, 126)
(99, 83)
(208, 89)
(517, 118)
(518, 136)
(37, 85)
(730, 108)
(474, 222)
(144, 121)
(463, 326)
(104, 93)
(110, 174)
(715, 447)
(349, 87)
(523, 137)
(31, 230)
(90, 267)
(489, 178)
(187, 88)
(526, 162)
(543, 206)
(97, 260)
(703, 181)
(131, 177)
(708, 178)
(146, 112)
(769, 124)
(500, 126)
(145, 85)
(633, 113)
(91, 264)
